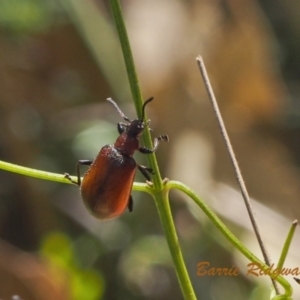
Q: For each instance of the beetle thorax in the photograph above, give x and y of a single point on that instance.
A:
(128, 141)
(126, 144)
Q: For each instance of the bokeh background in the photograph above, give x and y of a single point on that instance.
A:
(60, 60)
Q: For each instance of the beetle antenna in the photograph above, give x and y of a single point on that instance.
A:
(144, 105)
(118, 109)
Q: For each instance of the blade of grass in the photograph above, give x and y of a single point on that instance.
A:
(95, 28)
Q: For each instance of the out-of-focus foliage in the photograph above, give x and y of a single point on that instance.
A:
(22, 16)
(84, 283)
(57, 67)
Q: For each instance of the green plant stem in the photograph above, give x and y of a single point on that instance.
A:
(127, 54)
(287, 244)
(161, 199)
(33, 172)
(165, 214)
(162, 203)
(227, 233)
(141, 187)
(168, 225)
(134, 84)
(285, 251)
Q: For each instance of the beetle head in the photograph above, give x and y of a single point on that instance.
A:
(136, 127)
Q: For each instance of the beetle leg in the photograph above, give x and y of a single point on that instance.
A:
(67, 176)
(84, 162)
(145, 171)
(156, 143)
(130, 203)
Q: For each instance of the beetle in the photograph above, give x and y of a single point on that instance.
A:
(106, 186)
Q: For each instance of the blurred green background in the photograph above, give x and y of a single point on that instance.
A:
(60, 60)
